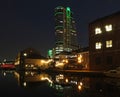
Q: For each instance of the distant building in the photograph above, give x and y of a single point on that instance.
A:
(77, 59)
(83, 57)
(7, 64)
(65, 30)
(104, 42)
(50, 54)
(30, 59)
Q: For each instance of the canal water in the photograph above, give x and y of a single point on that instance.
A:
(41, 84)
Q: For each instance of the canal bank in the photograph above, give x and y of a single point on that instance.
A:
(77, 72)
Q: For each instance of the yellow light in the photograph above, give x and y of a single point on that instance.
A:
(81, 83)
(66, 80)
(79, 87)
(25, 54)
(66, 61)
(24, 84)
(79, 58)
(4, 73)
(42, 61)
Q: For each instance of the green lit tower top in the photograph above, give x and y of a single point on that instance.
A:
(65, 30)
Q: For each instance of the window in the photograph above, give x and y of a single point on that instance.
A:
(61, 21)
(108, 43)
(109, 60)
(98, 45)
(98, 60)
(98, 31)
(108, 28)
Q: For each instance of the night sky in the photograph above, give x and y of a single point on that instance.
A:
(30, 23)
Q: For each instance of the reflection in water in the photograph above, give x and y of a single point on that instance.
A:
(30, 78)
(113, 81)
(6, 73)
(69, 86)
(66, 85)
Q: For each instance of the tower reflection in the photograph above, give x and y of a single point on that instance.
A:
(68, 85)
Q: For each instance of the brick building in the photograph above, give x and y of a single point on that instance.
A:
(104, 42)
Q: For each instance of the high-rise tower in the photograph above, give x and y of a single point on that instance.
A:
(65, 30)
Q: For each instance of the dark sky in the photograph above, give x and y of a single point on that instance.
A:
(30, 23)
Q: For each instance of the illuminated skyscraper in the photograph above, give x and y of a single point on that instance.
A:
(65, 30)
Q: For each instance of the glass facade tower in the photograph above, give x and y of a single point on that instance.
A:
(65, 30)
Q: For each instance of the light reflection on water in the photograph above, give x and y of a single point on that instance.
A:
(39, 84)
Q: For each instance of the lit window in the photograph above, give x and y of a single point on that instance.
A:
(59, 31)
(25, 54)
(108, 43)
(98, 45)
(98, 31)
(61, 21)
(108, 28)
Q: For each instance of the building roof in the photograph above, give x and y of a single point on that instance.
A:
(81, 50)
(106, 17)
(32, 53)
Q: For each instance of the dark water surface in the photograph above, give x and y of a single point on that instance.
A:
(41, 84)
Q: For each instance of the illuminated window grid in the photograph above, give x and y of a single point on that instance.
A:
(98, 31)
(109, 44)
(98, 45)
(108, 28)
